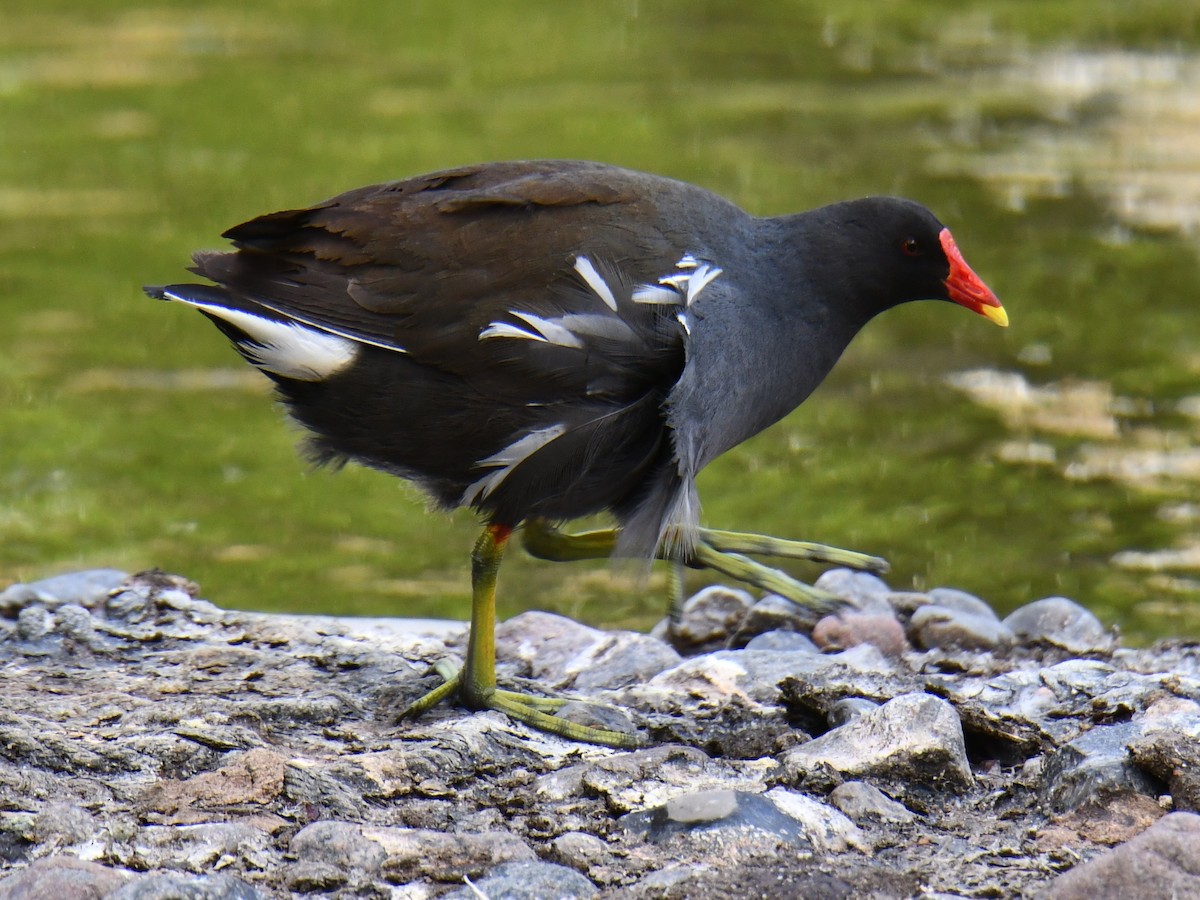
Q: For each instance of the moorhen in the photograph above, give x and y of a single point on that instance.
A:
(544, 340)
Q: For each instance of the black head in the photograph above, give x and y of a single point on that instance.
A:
(887, 250)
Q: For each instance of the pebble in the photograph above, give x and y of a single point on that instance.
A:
(773, 613)
(847, 709)
(1061, 623)
(788, 641)
(910, 733)
(530, 880)
(850, 629)
(713, 615)
(948, 628)
(961, 601)
(87, 588)
(1096, 764)
(864, 802)
(187, 887)
(867, 593)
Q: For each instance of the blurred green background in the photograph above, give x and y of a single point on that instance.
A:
(1059, 140)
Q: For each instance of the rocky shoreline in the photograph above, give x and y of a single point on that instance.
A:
(153, 746)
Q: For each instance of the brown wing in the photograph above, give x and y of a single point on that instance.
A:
(424, 265)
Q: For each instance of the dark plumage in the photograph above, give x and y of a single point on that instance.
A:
(545, 340)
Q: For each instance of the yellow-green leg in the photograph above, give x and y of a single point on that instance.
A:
(475, 683)
(727, 552)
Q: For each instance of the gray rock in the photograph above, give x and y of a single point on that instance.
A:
(87, 588)
(788, 641)
(414, 853)
(848, 709)
(865, 592)
(1169, 749)
(64, 823)
(556, 651)
(713, 616)
(773, 613)
(343, 845)
(952, 598)
(946, 628)
(75, 623)
(865, 802)
(628, 659)
(63, 878)
(702, 807)
(1094, 766)
(581, 851)
(827, 829)
(531, 880)
(915, 739)
(201, 848)
(1161, 862)
(785, 815)
(187, 887)
(1059, 622)
(306, 877)
(34, 623)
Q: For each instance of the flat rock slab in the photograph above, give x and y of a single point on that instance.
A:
(153, 745)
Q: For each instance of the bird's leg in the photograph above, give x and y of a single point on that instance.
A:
(727, 552)
(475, 683)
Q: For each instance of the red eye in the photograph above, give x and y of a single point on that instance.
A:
(910, 247)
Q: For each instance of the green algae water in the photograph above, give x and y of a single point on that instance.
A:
(1057, 140)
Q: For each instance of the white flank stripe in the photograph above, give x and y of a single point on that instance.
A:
(508, 330)
(591, 325)
(599, 286)
(552, 329)
(654, 294)
(547, 331)
(699, 281)
(507, 459)
(288, 349)
(680, 289)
